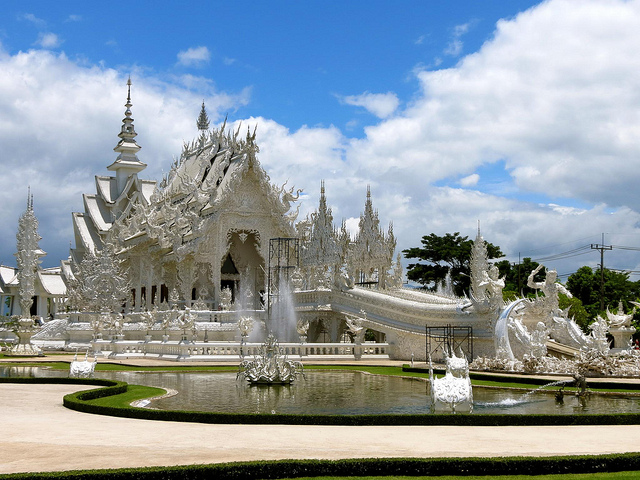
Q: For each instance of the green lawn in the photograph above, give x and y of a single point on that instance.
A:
(133, 393)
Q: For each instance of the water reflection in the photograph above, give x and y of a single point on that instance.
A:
(338, 392)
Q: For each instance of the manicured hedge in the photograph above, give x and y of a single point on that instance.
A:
(359, 467)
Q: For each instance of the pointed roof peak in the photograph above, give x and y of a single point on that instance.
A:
(127, 146)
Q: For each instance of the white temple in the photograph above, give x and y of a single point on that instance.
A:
(183, 268)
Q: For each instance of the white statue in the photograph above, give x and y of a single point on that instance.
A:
(83, 368)
(245, 325)
(270, 366)
(453, 391)
(550, 287)
(225, 299)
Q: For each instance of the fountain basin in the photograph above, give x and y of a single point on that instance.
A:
(340, 393)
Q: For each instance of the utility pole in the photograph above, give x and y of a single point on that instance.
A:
(519, 286)
(602, 247)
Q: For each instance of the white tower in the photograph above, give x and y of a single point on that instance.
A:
(127, 163)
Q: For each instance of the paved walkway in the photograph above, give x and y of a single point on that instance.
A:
(39, 434)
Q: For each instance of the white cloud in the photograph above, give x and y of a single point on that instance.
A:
(194, 57)
(454, 47)
(48, 40)
(74, 18)
(470, 180)
(30, 17)
(382, 105)
(60, 124)
(552, 96)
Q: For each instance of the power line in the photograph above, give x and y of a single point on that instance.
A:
(568, 254)
(547, 247)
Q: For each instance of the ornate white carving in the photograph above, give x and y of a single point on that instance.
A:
(100, 284)
(27, 258)
(453, 391)
(270, 366)
(82, 368)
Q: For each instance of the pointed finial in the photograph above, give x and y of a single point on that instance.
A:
(368, 191)
(322, 188)
(478, 227)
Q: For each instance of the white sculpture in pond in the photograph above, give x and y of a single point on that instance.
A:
(83, 368)
(452, 392)
(270, 366)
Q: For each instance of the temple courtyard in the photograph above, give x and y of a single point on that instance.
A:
(39, 434)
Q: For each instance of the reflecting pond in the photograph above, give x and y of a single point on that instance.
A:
(338, 392)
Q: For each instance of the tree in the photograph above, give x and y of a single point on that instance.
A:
(584, 284)
(515, 277)
(576, 311)
(449, 253)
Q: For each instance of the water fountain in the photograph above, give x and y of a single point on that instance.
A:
(24, 328)
(270, 366)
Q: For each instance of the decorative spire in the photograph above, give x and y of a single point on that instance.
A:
(128, 131)
(127, 162)
(28, 255)
(203, 119)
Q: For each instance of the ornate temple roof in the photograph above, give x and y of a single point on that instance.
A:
(52, 282)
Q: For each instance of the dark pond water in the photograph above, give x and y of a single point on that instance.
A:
(337, 392)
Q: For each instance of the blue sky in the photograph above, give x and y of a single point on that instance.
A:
(521, 115)
(296, 56)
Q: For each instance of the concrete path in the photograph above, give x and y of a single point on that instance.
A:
(39, 434)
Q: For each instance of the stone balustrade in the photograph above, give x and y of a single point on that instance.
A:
(231, 351)
(217, 316)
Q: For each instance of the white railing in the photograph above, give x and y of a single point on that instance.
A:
(218, 316)
(231, 350)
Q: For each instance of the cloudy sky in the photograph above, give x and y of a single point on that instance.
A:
(523, 116)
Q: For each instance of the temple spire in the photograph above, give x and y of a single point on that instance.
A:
(203, 119)
(127, 163)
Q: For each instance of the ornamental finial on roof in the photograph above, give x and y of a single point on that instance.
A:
(203, 119)
(128, 130)
(127, 146)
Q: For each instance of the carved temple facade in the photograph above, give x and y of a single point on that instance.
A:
(207, 226)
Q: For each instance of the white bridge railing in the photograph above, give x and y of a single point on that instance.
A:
(230, 351)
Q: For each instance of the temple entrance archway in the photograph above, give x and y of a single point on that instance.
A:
(243, 268)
